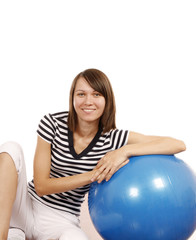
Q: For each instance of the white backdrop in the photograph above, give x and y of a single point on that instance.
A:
(147, 49)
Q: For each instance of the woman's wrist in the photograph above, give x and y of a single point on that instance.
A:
(126, 151)
(89, 175)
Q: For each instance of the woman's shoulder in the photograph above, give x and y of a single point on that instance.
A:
(59, 115)
(115, 133)
(55, 118)
(115, 137)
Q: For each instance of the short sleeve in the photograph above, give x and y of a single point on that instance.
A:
(46, 128)
(119, 138)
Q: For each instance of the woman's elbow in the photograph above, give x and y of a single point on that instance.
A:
(174, 145)
(40, 190)
(182, 146)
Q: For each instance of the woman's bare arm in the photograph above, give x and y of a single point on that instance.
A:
(138, 144)
(44, 185)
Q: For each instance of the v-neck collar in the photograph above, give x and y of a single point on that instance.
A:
(87, 149)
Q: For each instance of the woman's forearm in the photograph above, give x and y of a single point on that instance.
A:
(114, 160)
(161, 145)
(44, 185)
(63, 184)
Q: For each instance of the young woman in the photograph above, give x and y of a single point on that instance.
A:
(73, 149)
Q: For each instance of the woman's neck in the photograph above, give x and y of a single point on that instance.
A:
(87, 130)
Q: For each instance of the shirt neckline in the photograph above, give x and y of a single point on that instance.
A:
(87, 149)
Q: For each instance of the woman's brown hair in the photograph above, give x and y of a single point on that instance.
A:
(100, 83)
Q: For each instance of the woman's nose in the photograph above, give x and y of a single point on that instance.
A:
(88, 100)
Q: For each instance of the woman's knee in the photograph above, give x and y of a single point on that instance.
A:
(12, 150)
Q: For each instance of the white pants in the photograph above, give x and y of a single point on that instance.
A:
(38, 221)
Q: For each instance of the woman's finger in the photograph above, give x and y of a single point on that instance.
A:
(97, 173)
(110, 174)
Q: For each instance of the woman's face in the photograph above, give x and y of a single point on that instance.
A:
(88, 103)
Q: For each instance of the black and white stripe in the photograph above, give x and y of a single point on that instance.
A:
(66, 162)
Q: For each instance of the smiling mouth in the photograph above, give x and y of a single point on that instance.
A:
(88, 110)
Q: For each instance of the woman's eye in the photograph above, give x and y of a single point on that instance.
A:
(97, 94)
(80, 94)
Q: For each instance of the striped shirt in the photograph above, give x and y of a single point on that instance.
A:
(65, 161)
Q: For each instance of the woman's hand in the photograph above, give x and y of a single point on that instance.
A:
(109, 164)
(138, 144)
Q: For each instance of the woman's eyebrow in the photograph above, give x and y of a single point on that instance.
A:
(80, 90)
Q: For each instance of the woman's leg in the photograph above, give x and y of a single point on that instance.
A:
(53, 224)
(8, 187)
(15, 204)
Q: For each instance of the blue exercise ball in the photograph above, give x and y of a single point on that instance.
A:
(153, 197)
